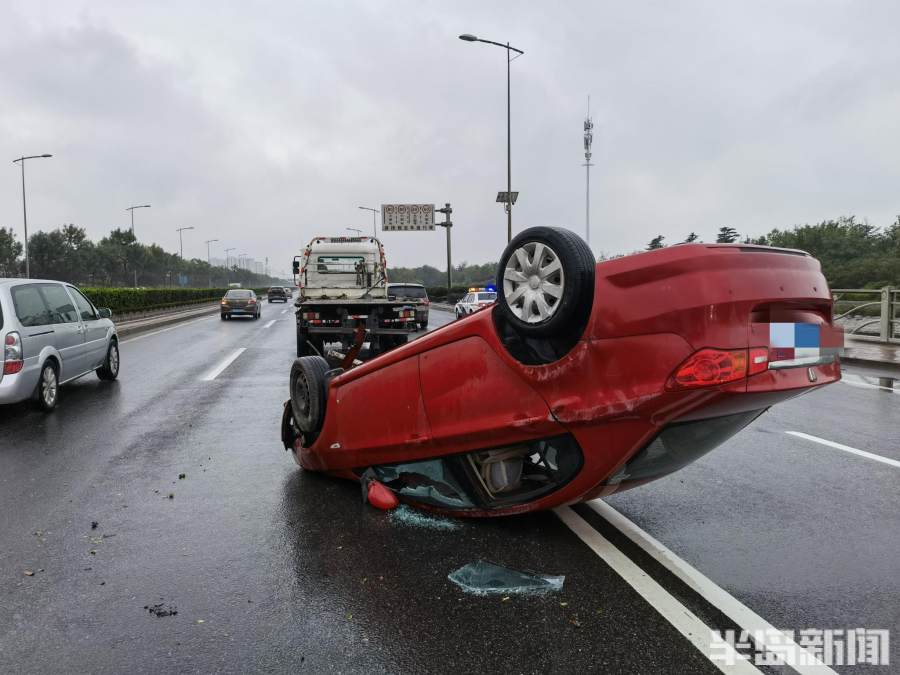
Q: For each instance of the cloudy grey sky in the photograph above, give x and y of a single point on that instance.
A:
(262, 124)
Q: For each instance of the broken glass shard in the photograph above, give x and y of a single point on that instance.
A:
(484, 577)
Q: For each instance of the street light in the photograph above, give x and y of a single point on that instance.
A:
(374, 211)
(466, 37)
(180, 240)
(24, 211)
(355, 229)
(132, 208)
(208, 265)
(227, 258)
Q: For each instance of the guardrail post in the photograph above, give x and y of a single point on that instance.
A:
(884, 332)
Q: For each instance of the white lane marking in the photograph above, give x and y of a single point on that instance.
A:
(857, 381)
(845, 448)
(219, 369)
(284, 311)
(683, 619)
(719, 598)
(164, 330)
(269, 325)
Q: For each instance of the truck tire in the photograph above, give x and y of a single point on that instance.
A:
(545, 282)
(308, 395)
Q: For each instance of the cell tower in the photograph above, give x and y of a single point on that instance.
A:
(588, 139)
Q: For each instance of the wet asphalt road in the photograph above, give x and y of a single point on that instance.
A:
(273, 569)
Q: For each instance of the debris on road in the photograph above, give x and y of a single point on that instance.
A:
(94, 524)
(376, 493)
(29, 573)
(161, 610)
(182, 476)
(406, 515)
(482, 578)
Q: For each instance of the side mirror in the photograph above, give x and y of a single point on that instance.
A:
(296, 267)
(105, 312)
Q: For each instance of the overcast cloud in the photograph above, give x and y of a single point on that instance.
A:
(263, 124)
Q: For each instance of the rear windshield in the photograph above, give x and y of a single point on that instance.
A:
(277, 289)
(487, 296)
(237, 294)
(407, 291)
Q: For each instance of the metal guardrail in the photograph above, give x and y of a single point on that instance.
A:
(868, 313)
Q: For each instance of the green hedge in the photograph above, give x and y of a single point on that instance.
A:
(122, 300)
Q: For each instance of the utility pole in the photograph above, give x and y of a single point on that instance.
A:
(447, 210)
(588, 140)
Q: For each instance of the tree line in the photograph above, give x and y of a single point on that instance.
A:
(117, 260)
(853, 253)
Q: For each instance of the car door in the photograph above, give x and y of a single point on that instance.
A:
(68, 331)
(95, 329)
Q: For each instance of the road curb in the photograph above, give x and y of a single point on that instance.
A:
(140, 325)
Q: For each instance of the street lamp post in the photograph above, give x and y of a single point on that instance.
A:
(227, 257)
(132, 208)
(180, 240)
(208, 265)
(355, 229)
(374, 211)
(21, 160)
(509, 202)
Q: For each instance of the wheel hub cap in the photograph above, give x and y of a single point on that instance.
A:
(533, 282)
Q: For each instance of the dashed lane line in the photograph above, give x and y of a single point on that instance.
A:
(683, 619)
(269, 325)
(778, 642)
(845, 448)
(219, 369)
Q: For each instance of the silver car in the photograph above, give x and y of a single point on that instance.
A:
(51, 335)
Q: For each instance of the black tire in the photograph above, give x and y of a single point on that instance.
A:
(574, 274)
(456, 311)
(110, 368)
(223, 316)
(308, 395)
(42, 398)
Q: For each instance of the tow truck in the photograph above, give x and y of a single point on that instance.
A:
(343, 301)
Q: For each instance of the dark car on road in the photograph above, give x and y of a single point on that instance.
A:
(416, 295)
(240, 302)
(277, 293)
(582, 380)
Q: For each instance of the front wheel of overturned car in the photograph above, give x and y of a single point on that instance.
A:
(545, 281)
(110, 368)
(308, 394)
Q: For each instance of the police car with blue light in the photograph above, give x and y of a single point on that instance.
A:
(475, 299)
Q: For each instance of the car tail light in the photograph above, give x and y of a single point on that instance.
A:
(12, 354)
(759, 360)
(251, 301)
(426, 301)
(709, 367)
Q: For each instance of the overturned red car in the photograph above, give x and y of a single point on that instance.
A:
(584, 379)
